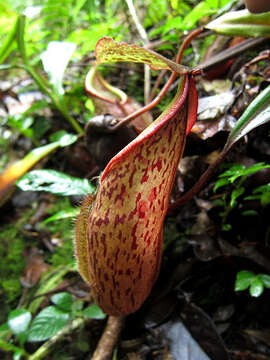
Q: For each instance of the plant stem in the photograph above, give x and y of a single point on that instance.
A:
(231, 52)
(64, 111)
(144, 37)
(205, 177)
(60, 105)
(109, 338)
(7, 346)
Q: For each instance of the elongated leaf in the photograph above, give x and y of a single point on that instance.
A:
(63, 214)
(6, 66)
(220, 183)
(55, 60)
(242, 23)
(55, 182)
(7, 45)
(47, 323)
(256, 114)
(239, 170)
(119, 236)
(200, 10)
(108, 50)
(15, 171)
(265, 279)
(235, 195)
(262, 193)
(63, 138)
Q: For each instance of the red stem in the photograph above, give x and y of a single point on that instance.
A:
(165, 88)
(205, 177)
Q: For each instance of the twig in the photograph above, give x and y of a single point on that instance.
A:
(108, 339)
(231, 52)
(157, 83)
(203, 180)
(51, 292)
(245, 250)
(144, 37)
(136, 20)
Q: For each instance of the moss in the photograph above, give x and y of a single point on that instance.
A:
(12, 262)
(63, 254)
(4, 158)
(63, 233)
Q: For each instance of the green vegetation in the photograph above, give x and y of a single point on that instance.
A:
(12, 263)
(254, 282)
(233, 179)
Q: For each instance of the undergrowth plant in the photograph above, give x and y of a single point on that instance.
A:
(233, 179)
(53, 319)
(255, 283)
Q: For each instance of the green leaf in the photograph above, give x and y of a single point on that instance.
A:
(242, 23)
(108, 50)
(6, 46)
(22, 124)
(89, 104)
(256, 114)
(63, 300)
(262, 189)
(265, 279)
(55, 60)
(171, 24)
(220, 183)
(265, 199)
(4, 330)
(200, 10)
(94, 312)
(77, 306)
(226, 227)
(249, 213)
(263, 194)
(19, 320)
(256, 287)
(55, 182)
(64, 138)
(243, 280)
(63, 214)
(233, 172)
(18, 354)
(239, 170)
(10, 347)
(47, 323)
(20, 38)
(6, 66)
(235, 195)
